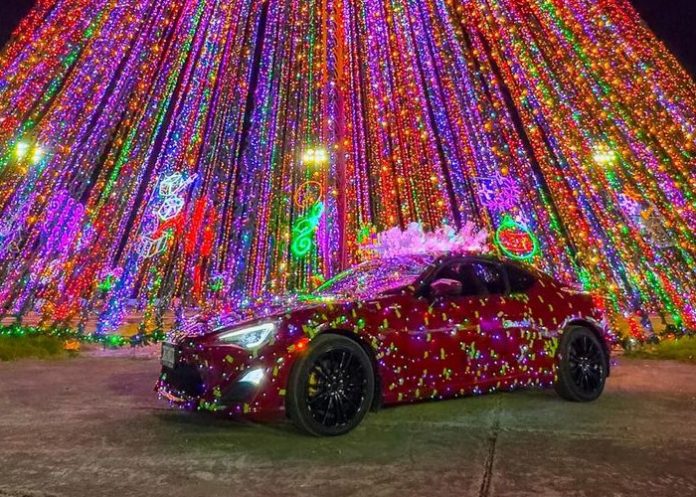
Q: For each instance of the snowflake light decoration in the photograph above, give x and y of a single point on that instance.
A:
(499, 193)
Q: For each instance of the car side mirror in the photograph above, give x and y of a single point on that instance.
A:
(445, 287)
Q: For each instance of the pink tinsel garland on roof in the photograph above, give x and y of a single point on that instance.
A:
(414, 240)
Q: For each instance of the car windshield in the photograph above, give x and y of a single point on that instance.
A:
(376, 276)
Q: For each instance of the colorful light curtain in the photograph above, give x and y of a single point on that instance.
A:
(221, 149)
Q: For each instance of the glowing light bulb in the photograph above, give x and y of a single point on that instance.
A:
(315, 157)
(38, 155)
(604, 156)
(22, 149)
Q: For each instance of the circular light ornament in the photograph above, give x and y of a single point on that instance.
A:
(308, 194)
(516, 240)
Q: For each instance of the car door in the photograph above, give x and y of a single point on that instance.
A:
(528, 355)
(451, 325)
(492, 353)
(456, 342)
(533, 311)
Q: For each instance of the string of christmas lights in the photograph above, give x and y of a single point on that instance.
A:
(220, 150)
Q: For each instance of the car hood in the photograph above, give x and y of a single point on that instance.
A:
(276, 307)
(262, 309)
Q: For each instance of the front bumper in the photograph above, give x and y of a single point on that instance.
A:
(227, 379)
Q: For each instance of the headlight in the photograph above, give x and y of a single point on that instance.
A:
(250, 337)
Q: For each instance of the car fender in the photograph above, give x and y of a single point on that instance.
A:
(326, 329)
(599, 328)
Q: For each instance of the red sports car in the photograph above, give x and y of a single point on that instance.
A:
(388, 332)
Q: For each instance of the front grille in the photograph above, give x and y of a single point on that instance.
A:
(184, 379)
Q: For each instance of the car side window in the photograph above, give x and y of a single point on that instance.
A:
(477, 278)
(461, 271)
(490, 276)
(520, 280)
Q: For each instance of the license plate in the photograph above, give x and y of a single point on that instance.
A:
(168, 355)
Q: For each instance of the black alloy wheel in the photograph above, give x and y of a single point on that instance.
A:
(582, 365)
(331, 388)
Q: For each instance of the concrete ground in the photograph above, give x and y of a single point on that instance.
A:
(92, 426)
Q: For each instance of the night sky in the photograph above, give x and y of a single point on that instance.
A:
(672, 20)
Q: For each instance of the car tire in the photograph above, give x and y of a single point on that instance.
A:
(331, 387)
(581, 365)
